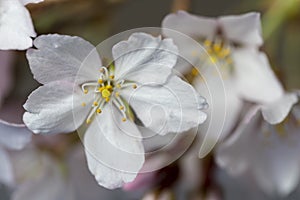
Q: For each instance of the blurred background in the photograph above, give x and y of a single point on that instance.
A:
(96, 20)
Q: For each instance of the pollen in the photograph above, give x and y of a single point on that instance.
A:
(85, 91)
(106, 93)
(117, 94)
(95, 103)
(124, 119)
(99, 111)
(121, 107)
(83, 104)
(118, 85)
(88, 121)
(207, 43)
(100, 81)
(112, 77)
(134, 86)
(194, 72)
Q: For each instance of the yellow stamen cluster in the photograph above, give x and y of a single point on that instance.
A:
(106, 89)
(217, 51)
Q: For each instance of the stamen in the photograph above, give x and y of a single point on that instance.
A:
(98, 110)
(83, 104)
(124, 119)
(100, 81)
(87, 85)
(105, 71)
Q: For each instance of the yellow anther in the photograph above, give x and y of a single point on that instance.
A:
(88, 121)
(83, 104)
(134, 86)
(117, 94)
(100, 81)
(118, 85)
(111, 76)
(105, 93)
(99, 111)
(108, 87)
(121, 107)
(213, 59)
(194, 72)
(107, 99)
(207, 43)
(124, 119)
(225, 52)
(217, 48)
(85, 91)
(95, 103)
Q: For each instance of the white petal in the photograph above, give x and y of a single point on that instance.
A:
(224, 106)
(173, 107)
(278, 110)
(271, 155)
(15, 26)
(6, 172)
(25, 2)
(186, 30)
(234, 154)
(60, 57)
(255, 79)
(14, 136)
(191, 25)
(113, 148)
(223, 112)
(245, 29)
(50, 108)
(144, 52)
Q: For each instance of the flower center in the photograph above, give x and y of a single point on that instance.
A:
(219, 51)
(106, 89)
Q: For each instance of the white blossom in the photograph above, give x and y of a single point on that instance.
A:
(101, 97)
(16, 28)
(232, 44)
(266, 145)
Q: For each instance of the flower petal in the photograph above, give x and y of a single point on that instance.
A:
(49, 108)
(14, 136)
(277, 111)
(191, 25)
(15, 26)
(255, 79)
(62, 57)
(268, 153)
(173, 107)
(245, 29)
(6, 172)
(113, 148)
(224, 106)
(231, 153)
(144, 52)
(186, 30)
